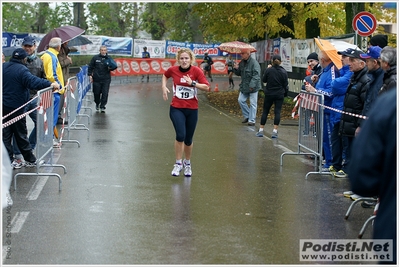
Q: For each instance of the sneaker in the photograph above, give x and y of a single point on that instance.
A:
(259, 134)
(368, 204)
(332, 169)
(274, 134)
(340, 174)
(102, 110)
(355, 197)
(56, 144)
(17, 164)
(33, 164)
(348, 194)
(187, 170)
(176, 169)
(325, 168)
(97, 107)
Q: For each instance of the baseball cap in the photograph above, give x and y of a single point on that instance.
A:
(19, 53)
(29, 40)
(276, 57)
(350, 52)
(372, 52)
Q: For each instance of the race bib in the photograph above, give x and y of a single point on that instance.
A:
(185, 92)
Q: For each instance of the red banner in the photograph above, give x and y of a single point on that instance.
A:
(142, 66)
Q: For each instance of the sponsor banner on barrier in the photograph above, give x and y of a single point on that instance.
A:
(13, 39)
(155, 48)
(127, 66)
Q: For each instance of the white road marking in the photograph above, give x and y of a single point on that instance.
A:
(18, 221)
(37, 188)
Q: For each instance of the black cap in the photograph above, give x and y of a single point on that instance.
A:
(19, 53)
(29, 40)
(354, 53)
(276, 57)
(313, 56)
(380, 40)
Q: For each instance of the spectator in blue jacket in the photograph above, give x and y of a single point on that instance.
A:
(339, 143)
(323, 86)
(17, 80)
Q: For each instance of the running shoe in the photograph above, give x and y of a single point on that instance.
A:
(274, 134)
(259, 134)
(17, 164)
(176, 169)
(340, 174)
(347, 194)
(187, 170)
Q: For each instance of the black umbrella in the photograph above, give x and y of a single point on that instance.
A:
(66, 33)
(78, 41)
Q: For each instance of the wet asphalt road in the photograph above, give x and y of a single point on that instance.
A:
(120, 205)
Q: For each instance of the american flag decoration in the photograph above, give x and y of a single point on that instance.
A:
(45, 103)
(310, 102)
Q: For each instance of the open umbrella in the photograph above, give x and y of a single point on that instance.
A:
(330, 50)
(79, 40)
(235, 47)
(342, 45)
(66, 33)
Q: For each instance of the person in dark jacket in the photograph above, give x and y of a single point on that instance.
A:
(376, 75)
(17, 80)
(249, 71)
(99, 72)
(35, 66)
(339, 143)
(276, 79)
(316, 70)
(354, 100)
(388, 64)
(207, 63)
(372, 171)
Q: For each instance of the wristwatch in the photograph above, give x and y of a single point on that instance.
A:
(193, 83)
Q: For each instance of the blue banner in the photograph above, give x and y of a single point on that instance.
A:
(84, 85)
(13, 39)
(199, 49)
(118, 45)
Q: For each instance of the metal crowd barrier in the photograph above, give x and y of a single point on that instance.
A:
(85, 93)
(44, 135)
(310, 129)
(73, 99)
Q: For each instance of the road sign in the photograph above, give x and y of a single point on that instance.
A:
(364, 23)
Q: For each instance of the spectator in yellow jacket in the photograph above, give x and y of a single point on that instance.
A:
(53, 71)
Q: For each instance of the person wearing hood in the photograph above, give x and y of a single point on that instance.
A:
(99, 72)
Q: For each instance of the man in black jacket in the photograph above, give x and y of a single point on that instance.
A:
(99, 73)
(354, 102)
(388, 64)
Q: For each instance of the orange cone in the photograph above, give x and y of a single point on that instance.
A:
(216, 88)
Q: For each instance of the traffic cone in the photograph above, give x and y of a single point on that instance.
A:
(216, 88)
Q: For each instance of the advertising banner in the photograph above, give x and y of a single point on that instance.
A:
(285, 53)
(300, 51)
(154, 47)
(142, 66)
(13, 39)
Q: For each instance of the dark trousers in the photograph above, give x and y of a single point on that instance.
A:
(100, 91)
(338, 148)
(32, 136)
(20, 132)
(269, 100)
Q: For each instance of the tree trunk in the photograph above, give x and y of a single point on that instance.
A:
(79, 19)
(312, 27)
(194, 23)
(288, 21)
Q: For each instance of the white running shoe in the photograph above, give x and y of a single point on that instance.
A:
(187, 170)
(176, 169)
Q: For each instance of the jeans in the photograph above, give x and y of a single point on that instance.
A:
(32, 135)
(19, 130)
(248, 112)
(100, 91)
